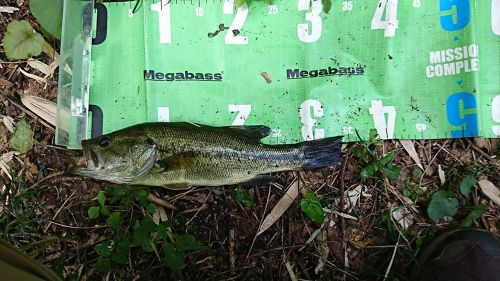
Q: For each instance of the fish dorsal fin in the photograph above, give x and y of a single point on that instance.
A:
(253, 132)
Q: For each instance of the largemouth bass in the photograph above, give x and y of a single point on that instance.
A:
(180, 155)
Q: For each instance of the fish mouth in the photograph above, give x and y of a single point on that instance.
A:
(92, 160)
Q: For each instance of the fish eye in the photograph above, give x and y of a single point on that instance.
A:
(104, 142)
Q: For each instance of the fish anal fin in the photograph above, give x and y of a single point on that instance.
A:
(259, 180)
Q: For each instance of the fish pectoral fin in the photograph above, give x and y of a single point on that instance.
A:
(177, 186)
(175, 162)
(259, 180)
(253, 132)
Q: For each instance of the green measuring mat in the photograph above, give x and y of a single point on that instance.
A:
(306, 68)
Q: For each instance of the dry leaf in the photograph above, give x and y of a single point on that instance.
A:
(163, 214)
(442, 177)
(353, 197)
(42, 67)
(323, 249)
(9, 10)
(156, 216)
(490, 190)
(313, 236)
(45, 109)
(5, 159)
(410, 148)
(8, 122)
(3, 82)
(403, 216)
(49, 51)
(280, 207)
(290, 271)
(346, 216)
(33, 76)
(483, 143)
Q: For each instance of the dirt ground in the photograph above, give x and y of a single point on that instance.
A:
(42, 204)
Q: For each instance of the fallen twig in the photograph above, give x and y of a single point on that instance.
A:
(159, 201)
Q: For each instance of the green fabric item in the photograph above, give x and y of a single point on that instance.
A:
(411, 69)
(16, 265)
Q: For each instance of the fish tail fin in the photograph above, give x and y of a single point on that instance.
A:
(321, 153)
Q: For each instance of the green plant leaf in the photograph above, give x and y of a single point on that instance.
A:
(417, 172)
(443, 204)
(327, 5)
(115, 219)
(162, 228)
(141, 196)
(239, 3)
(49, 14)
(21, 42)
(387, 158)
(187, 242)
(121, 254)
(373, 135)
(151, 208)
(476, 213)
(368, 171)
(240, 196)
(115, 193)
(101, 198)
(105, 211)
(58, 266)
(311, 206)
(268, 2)
(391, 171)
(142, 234)
(120, 257)
(93, 212)
(359, 151)
(103, 249)
(466, 184)
(103, 265)
(22, 140)
(174, 259)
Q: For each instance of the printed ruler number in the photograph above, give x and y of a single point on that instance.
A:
(385, 129)
(199, 12)
(232, 36)
(310, 32)
(347, 130)
(495, 16)
(163, 9)
(457, 116)
(243, 113)
(462, 14)
(272, 9)
(495, 114)
(390, 24)
(347, 6)
(309, 122)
